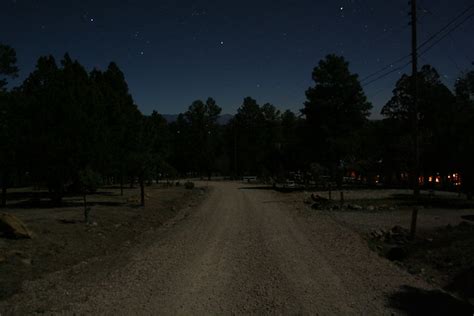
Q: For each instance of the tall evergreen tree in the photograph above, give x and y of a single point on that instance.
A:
(123, 122)
(8, 66)
(46, 121)
(291, 142)
(203, 128)
(248, 137)
(437, 117)
(335, 110)
(465, 130)
(8, 127)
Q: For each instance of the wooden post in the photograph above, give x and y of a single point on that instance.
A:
(4, 190)
(86, 209)
(142, 191)
(416, 167)
(414, 216)
(121, 184)
(342, 198)
(329, 192)
(4, 193)
(4, 196)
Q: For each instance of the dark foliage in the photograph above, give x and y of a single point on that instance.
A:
(336, 112)
(66, 128)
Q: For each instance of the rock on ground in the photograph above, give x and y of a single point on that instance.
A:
(12, 227)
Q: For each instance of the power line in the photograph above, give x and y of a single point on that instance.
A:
(385, 68)
(420, 46)
(382, 36)
(435, 14)
(445, 27)
(449, 32)
(386, 74)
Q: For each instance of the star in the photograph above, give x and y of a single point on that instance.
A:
(342, 11)
(92, 19)
(222, 43)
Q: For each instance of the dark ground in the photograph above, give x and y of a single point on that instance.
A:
(241, 249)
(62, 239)
(443, 250)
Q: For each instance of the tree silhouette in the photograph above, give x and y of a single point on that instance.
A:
(64, 128)
(77, 121)
(160, 147)
(465, 130)
(248, 128)
(122, 119)
(8, 66)
(292, 142)
(45, 124)
(8, 128)
(336, 108)
(437, 116)
(201, 119)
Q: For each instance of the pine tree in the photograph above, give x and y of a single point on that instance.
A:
(335, 110)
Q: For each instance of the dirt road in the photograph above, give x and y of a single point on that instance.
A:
(243, 251)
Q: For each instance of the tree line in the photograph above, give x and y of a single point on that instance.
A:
(70, 130)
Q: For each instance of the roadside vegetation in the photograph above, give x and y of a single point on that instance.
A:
(69, 130)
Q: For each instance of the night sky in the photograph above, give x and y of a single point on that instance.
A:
(173, 52)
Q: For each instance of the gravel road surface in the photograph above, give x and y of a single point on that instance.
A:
(244, 252)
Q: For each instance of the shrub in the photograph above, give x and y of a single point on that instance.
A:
(189, 185)
(89, 180)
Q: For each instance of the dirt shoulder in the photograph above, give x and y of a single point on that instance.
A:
(63, 242)
(442, 252)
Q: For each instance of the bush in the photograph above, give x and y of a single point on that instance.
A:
(89, 180)
(189, 185)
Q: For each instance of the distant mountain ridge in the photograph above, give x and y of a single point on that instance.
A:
(222, 120)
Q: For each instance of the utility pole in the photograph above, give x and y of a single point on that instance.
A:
(416, 149)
